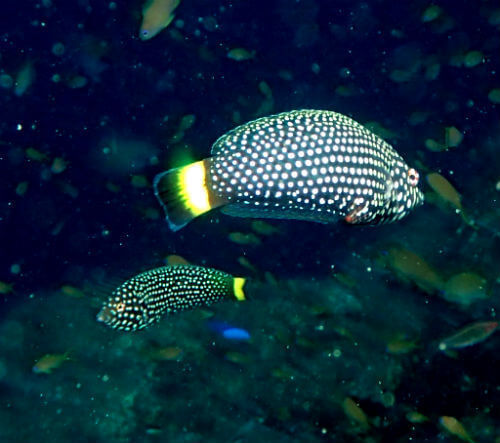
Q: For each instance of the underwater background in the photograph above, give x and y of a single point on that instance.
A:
(350, 333)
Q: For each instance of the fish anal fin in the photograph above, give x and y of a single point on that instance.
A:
(357, 211)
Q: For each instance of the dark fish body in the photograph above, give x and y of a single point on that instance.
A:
(147, 297)
(309, 165)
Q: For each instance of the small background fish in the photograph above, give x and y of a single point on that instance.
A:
(156, 16)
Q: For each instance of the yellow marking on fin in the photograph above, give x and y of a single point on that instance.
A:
(238, 284)
(193, 188)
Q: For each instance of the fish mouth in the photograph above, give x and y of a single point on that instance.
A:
(105, 315)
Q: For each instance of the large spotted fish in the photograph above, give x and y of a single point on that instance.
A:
(149, 296)
(308, 165)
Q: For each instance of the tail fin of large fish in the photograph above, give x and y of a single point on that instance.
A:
(184, 194)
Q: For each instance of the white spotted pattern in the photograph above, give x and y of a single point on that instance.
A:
(147, 297)
(314, 165)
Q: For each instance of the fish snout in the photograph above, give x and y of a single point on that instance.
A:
(105, 315)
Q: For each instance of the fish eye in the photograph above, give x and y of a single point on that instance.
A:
(413, 177)
(120, 307)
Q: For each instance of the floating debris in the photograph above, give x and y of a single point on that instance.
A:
(469, 335)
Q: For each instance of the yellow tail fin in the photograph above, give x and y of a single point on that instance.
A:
(238, 284)
(184, 194)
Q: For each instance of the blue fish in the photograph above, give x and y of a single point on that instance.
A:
(229, 332)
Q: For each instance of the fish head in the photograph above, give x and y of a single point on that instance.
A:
(402, 193)
(127, 308)
(146, 34)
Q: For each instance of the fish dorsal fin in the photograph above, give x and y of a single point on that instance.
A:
(227, 142)
(232, 141)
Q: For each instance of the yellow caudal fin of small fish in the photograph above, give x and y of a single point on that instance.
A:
(238, 284)
(184, 194)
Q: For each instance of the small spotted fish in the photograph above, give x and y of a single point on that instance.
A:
(307, 165)
(147, 297)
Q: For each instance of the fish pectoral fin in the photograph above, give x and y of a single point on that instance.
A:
(357, 211)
